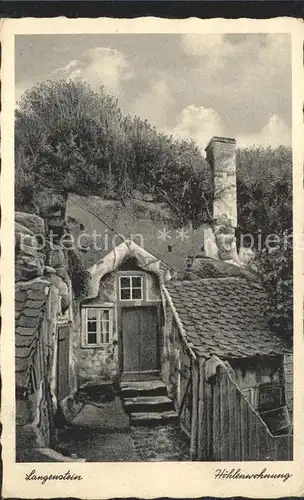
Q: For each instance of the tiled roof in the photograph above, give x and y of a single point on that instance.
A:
(223, 316)
(30, 299)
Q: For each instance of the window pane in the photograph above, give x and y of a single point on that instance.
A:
(92, 338)
(136, 293)
(125, 294)
(92, 313)
(104, 315)
(125, 282)
(136, 282)
(92, 326)
(104, 326)
(105, 337)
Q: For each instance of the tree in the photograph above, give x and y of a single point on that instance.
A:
(276, 271)
(265, 206)
(69, 135)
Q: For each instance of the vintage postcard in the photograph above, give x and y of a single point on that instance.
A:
(152, 258)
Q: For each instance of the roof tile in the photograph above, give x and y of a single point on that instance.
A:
(223, 316)
(30, 299)
(31, 313)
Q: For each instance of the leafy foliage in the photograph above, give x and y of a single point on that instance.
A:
(265, 207)
(276, 270)
(264, 186)
(71, 137)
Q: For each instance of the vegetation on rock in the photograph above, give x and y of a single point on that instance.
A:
(69, 136)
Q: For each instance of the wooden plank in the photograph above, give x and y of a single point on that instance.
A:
(224, 424)
(263, 443)
(216, 419)
(271, 450)
(231, 424)
(202, 420)
(63, 362)
(149, 339)
(209, 429)
(243, 429)
(131, 325)
(194, 416)
(257, 437)
(238, 453)
(250, 437)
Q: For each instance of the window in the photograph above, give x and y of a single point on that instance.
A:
(98, 326)
(131, 287)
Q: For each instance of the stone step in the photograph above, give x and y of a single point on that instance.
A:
(153, 418)
(148, 404)
(143, 388)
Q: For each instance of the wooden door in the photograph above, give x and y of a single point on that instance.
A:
(63, 362)
(139, 342)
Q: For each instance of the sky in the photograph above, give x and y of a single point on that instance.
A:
(191, 86)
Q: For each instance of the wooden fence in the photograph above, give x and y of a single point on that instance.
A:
(231, 430)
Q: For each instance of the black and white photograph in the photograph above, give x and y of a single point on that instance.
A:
(154, 263)
(153, 271)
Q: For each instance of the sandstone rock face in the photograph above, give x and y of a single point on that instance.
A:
(31, 221)
(70, 408)
(63, 290)
(226, 242)
(29, 258)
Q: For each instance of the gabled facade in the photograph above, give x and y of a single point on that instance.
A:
(118, 332)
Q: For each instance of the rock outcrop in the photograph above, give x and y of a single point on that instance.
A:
(29, 237)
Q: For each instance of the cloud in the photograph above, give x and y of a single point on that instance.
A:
(221, 49)
(275, 133)
(99, 66)
(200, 124)
(154, 103)
(211, 49)
(244, 77)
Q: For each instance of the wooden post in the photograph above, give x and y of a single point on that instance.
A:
(209, 426)
(202, 416)
(194, 419)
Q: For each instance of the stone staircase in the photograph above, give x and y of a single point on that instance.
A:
(147, 402)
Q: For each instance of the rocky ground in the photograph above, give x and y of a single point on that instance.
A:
(102, 433)
(160, 443)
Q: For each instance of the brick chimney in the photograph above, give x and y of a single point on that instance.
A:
(220, 154)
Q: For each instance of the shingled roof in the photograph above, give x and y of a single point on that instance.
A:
(30, 299)
(224, 317)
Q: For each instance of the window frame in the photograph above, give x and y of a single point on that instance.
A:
(131, 287)
(99, 334)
